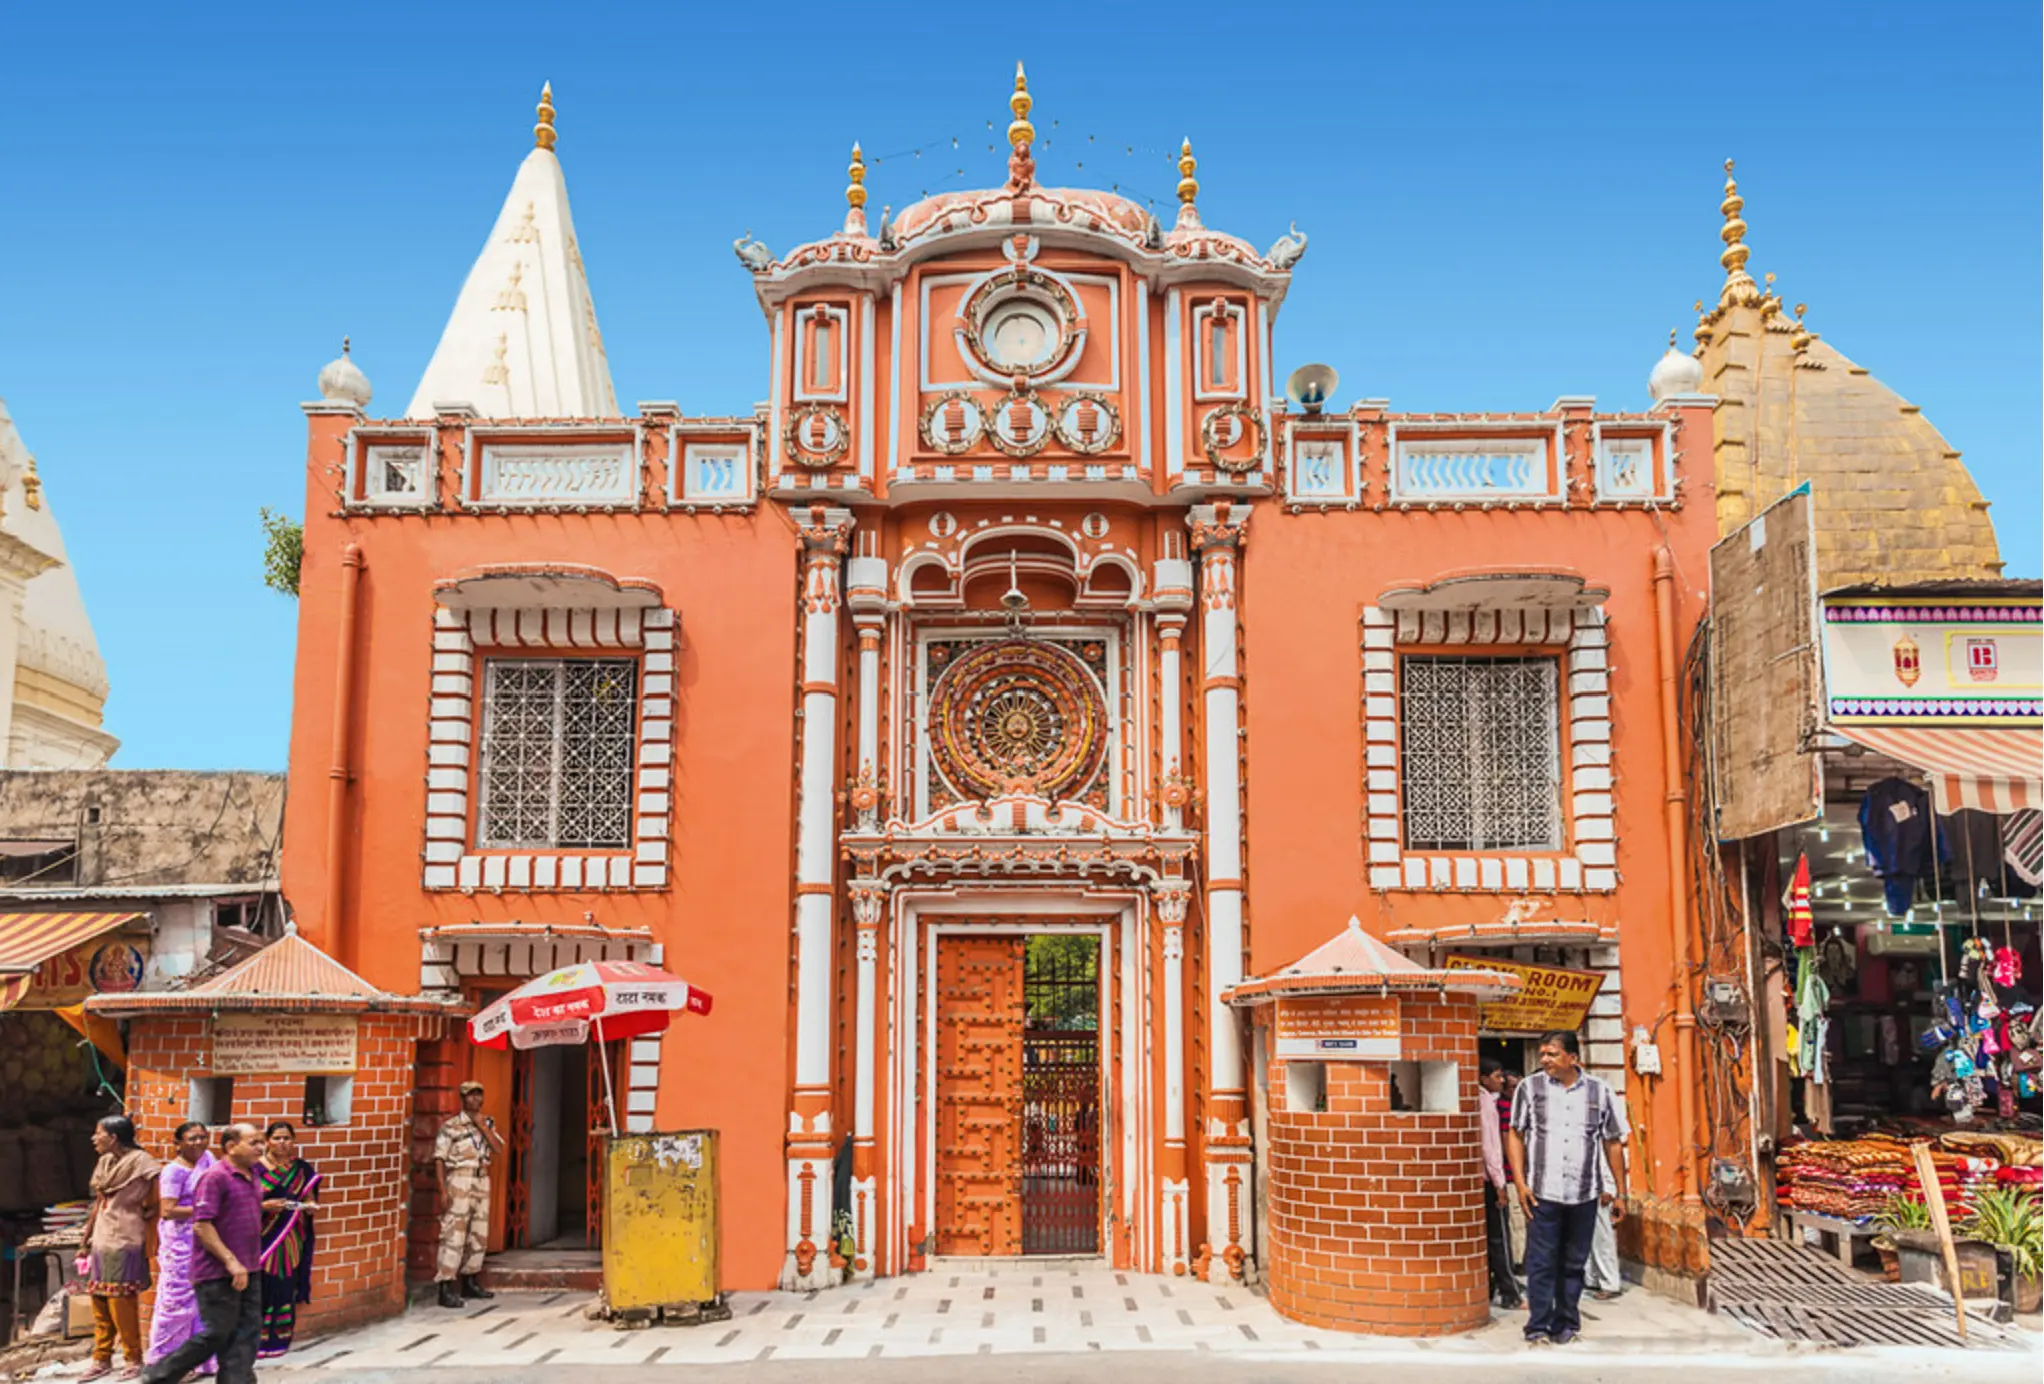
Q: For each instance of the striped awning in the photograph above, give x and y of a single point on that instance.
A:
(1992, 768)
(27, 940)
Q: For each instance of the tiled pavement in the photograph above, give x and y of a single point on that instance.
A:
(966, 1309)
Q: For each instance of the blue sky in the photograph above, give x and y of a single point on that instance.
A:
(1506, 203)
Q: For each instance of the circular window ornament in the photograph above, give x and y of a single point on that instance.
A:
(1021, 335)
(1018, 716)
(1020, 323)
(1233, 439)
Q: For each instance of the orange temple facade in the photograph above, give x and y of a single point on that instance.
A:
(1027, 674)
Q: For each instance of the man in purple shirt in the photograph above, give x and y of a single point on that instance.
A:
(227, 1226)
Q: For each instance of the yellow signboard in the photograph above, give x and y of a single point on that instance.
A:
(104, 966)
(1338, 1028)
(244, 1043)
(1550, 998)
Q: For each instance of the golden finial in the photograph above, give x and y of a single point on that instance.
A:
(543, 132)
(1770, 301)
(1671, 337)
(1803, 335)
(1739, 286)
(855, 194)
(1702, 332)
(1188, 186)
(1021, 134)
(1021, 167)
(32, 485)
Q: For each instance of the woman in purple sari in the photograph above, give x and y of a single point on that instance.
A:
(177, 1310)
(289, 1185)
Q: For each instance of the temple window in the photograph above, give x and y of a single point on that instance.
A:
(558, 743)
(1480, 753)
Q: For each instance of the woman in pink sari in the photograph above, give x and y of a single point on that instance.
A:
(177, 1309)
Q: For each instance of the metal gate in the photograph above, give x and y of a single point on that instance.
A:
(1061, 1096)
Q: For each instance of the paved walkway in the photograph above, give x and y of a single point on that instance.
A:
(1029, 1309)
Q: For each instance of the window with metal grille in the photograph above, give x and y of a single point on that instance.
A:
(1480, 753)
(558, 743)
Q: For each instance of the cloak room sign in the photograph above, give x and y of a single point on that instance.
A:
(1340, 1028)
(246, 1043)
(1550, 998)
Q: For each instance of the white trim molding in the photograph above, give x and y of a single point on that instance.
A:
(452, 860)
(1588, 861)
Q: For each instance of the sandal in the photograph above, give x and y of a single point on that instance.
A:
(131, 1372)
(98, 1371)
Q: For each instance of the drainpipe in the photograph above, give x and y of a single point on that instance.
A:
(341, 943)
(1678, 873)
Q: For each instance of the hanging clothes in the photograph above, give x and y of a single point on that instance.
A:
(1897, 828)
(1797, 901)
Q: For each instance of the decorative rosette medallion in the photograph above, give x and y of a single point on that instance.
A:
(953, 424)
(1233, 438)
(817, 436)
(1088, 423)
(1018, 716)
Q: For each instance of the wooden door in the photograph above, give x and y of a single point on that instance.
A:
(979, 1095)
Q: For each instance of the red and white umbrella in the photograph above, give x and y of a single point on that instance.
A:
(617, 999)
(613, 999)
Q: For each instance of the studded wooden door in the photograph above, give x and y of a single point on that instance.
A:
(979, 1095)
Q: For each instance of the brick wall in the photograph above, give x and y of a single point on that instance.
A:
(1376, 1216)
(359, 1264)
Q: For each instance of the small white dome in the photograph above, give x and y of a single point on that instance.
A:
(342, 382)
(1675, 373)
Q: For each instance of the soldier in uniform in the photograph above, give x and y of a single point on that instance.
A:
(461, 1159)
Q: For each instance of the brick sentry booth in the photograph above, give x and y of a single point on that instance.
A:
(1373, 1198)
(291, 1034)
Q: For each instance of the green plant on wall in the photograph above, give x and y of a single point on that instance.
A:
(283, 551)
(2010, 1218)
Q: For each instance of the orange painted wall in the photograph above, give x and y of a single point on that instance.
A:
(1306, 578)
(726, 917)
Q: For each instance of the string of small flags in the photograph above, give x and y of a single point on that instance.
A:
(1100, 155)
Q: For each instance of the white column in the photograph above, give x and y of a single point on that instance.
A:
(1217, 532)
(869, 900)
(1175, 1227)
(810, 1137)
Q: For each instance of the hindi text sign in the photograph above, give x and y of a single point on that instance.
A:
(1339, 1028)
(244, 1043)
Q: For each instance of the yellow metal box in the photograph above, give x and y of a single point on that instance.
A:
(660, 1220)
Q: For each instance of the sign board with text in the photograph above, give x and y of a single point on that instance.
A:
(312, 1043)
(1549, 999)
(103, 966)
(1339, 1028)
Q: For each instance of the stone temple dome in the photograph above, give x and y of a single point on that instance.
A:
(60, 682)
(1894, 501)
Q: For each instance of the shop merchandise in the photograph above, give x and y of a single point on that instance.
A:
(1896, 826)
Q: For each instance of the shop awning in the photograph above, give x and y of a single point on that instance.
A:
(1992, 768)
(27, 940)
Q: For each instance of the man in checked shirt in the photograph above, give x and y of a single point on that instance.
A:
(1567, 1149)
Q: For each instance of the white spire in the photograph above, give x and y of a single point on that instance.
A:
(522, 341)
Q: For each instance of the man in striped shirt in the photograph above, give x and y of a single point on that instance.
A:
(1566, 1146)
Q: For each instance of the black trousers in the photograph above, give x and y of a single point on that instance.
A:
(1558, 1236)
(1504, 1288)
(229, 1325)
